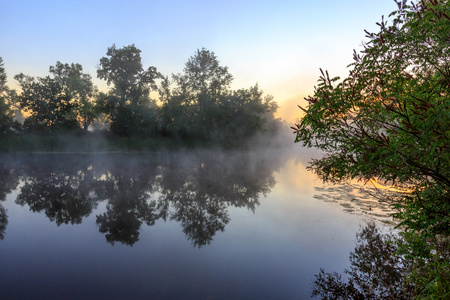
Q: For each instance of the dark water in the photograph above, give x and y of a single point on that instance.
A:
(169, 225)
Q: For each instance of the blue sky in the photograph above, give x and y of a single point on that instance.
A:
(278, 44)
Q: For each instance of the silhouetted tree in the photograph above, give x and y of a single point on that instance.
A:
(49, 107)
(243, 113)
(131, 110)
(203, 77)
(202, 106)
(80, 89)
(199, 88)
(6, 111)
(197, 106)
(59, 102)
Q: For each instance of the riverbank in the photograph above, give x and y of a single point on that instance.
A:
(98, 142)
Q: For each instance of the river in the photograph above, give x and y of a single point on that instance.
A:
(197, 224)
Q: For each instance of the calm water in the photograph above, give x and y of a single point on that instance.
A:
(169, 225)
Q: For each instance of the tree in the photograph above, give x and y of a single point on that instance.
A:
(244, 112)
(197, 93)
(390, 118)
(6, 112)
(128, 104)
(202, 106)
(3, 77)
(79, 87)
(203, 75)
(123, 68)
(61, 101)
(49, 107)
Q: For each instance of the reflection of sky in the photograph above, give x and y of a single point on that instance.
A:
(280, 44)
(272, 253)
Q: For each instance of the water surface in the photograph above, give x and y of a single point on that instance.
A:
(168, 225)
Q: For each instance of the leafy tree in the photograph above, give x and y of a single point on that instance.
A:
(203, 76)
(178, 117)
(202, 106)
(3, 77)
(123, 68)
(58, 102)
(197, 94)
(50, 108)
(128, 104)
(6, 112)
(390, 118)
(245, 112)
(79, 87)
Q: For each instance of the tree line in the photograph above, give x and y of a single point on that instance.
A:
(197, 104)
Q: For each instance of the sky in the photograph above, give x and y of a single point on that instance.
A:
(279, 44)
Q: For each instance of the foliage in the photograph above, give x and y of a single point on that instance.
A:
(202, 106)
(123, 68)
(203, 76)
(59, 102)
(196, 108)
(390, 119)
(429, 259)
(128, 104)
(80, 89)
(49, 107)
(6, 111)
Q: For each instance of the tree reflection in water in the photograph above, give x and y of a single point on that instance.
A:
(201, 188)
(376, 271)
(3, 221)
(9, 180)
(128, 185)
(59, 187)
(194, 188)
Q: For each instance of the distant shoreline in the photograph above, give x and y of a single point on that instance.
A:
(101, 143)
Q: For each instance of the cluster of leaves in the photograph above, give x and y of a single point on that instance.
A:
(7, 97)
(197, 104)
(202, 105)
(429, 264)
(390, 119)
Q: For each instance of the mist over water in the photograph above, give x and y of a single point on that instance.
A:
(191, 224)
